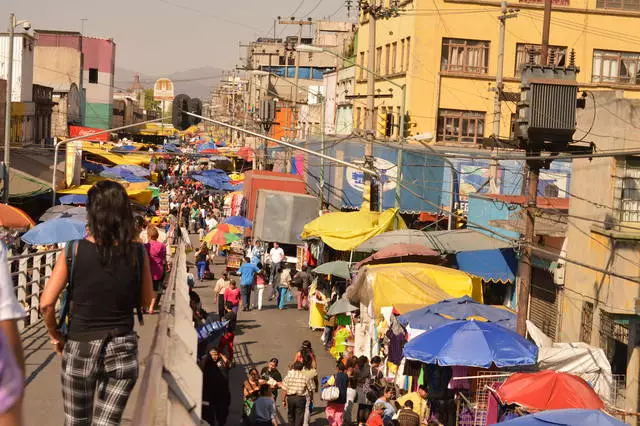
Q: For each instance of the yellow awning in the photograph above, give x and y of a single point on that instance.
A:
(409, 286)
(142, 196)
(347, 230)
(136, 159)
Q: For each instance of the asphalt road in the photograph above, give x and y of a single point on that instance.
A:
(262, 335)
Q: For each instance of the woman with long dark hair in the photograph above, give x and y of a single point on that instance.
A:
(110, 277)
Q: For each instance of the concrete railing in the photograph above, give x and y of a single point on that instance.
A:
(171, 386)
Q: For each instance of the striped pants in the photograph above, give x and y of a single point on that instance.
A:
(107, 366)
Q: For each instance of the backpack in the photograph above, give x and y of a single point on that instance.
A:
(65, 303)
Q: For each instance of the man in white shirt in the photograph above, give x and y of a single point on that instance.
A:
(276, 255)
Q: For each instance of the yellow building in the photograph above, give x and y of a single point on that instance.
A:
(446, 51)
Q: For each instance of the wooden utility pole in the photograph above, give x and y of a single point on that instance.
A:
(371, 127)
(531, 191)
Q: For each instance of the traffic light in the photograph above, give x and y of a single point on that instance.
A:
(407, 124)
(179, 119)
(388, 125)
(181, 104)
(195, 107)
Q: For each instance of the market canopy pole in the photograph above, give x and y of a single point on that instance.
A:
(287, 144)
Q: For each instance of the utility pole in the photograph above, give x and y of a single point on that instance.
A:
(368, 188)
(7, 116)
(531, 191)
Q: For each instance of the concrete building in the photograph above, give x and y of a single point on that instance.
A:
(58, 63)
(448, 58)
(22, 108)
(344, 102)
(604, 231)
(67, 57)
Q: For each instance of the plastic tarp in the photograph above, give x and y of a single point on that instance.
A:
(137, 159)
(577, 358)
(499, 266)
(347, 230)
(410, 286)
(142, 196)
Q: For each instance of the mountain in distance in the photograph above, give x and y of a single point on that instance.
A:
(196, 82)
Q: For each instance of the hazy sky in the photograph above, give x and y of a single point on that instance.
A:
(163, 36)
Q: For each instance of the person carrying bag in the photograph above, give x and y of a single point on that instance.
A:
(109, 277)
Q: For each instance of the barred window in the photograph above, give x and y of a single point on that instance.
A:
(627, 198)
(523, 50)
(460, 126)
(467, 56)
(616, 67)
(618, 4)
(586, 323)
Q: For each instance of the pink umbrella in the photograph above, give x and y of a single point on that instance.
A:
(399, 251)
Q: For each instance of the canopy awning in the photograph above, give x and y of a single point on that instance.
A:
(142, 196)
(445, 242)
(347, 230)
(499, 265)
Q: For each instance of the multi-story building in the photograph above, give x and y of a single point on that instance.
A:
(604, 232)
(66, 60)
(22, 105)
(447, 54)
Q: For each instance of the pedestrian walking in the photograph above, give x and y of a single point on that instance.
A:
(157, 253)
(201, 260)
(276, 256)
(335, 408)
(272, 375)
(215, 387)
(232, 295)
(376, 416)
(221, 286)
(247, 273)
(389, 408)
(263, 412)
(419, 400)
(251, 391)
(302, 282)
(109, 276)
(260, 285)
(284, 285)
(298, 386)
(226, 341)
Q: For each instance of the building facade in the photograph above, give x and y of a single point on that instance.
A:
(447, 54)
(22, 108)
(98, 73)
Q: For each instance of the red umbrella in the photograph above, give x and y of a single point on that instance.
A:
(548, 390)
(208, 151)
(399, 250)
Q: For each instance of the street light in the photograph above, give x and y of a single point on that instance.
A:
(403, 107)
(13, 23)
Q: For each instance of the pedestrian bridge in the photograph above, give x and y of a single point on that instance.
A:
(169, 387)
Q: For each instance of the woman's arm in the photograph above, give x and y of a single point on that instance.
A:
(48, 299)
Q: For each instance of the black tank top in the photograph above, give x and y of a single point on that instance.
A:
(103, 297)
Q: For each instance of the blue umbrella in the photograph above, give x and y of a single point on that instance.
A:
(207, 145)
(133, 169)
(459, 309)
(114, 173)
(472, 344)
(567, 417)
(74, 199)
(238, 221)
(55, 231)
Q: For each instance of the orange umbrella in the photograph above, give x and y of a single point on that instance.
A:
(14, 218)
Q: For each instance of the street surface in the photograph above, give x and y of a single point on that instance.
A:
(262, 335)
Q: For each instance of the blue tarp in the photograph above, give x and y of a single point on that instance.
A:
(92, 167)
(460, 308)
(206, 145)
(490, 265)
(472, 344)
(73, 199)
(566, 417)
(220, 182)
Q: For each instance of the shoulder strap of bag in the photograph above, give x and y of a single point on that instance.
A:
(141, 253)
(70, 257)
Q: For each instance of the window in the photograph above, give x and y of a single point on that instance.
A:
(360, 70)
(394, 54)
(387, 59)
(406, 67)
(523, 51)
(617, 67)
(467, 56)
(358, 118)
(93, 75)
(618, 4)
(628, 189)
(378, 59)
(586, 323)
(460, 126)
(401, 55)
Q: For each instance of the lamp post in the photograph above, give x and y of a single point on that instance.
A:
(403, 106)
(13, 23)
